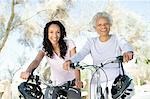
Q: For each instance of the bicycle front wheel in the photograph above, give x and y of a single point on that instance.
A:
(48, 93)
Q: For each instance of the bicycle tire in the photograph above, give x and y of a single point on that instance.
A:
(48, 93)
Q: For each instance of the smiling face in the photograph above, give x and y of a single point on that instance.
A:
(102, 26)
(54, 33)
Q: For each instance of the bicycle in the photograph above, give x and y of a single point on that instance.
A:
(120, 84)
(32, 90)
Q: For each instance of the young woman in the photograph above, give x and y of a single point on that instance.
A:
(57, 49)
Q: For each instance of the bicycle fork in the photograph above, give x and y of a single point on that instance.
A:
(99, 90)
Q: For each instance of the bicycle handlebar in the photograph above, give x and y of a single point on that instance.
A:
(118, 59)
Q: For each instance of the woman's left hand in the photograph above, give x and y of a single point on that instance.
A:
(127, 56)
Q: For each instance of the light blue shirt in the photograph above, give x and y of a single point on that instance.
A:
(103, 51)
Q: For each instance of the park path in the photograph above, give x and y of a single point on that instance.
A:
(142, 92)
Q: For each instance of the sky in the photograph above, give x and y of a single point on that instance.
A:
(140, 7)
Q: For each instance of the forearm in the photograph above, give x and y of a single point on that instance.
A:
(78, 82)
(124, 45)
(82, 53)
(79, 56)
(77, 75)
(35, 62)
(32, 66)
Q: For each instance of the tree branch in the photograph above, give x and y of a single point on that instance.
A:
(28, 19)
(8, 25)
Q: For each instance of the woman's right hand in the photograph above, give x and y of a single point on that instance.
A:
(24, 75)
(66, 65)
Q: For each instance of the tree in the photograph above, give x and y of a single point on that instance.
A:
(29, 24)
(8, 27)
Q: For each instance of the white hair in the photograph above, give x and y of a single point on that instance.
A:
(101, 15)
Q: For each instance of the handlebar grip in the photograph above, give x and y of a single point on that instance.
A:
(120, 58)
(72, 66)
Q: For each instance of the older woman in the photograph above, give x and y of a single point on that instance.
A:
(101, 48)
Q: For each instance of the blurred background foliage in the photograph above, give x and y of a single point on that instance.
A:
(22, 23)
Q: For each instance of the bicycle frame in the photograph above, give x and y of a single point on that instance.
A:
(62, 91)
(99, 92)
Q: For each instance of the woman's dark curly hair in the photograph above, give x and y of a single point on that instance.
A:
(47, 45)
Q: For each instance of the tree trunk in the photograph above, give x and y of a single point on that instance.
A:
(9, 24)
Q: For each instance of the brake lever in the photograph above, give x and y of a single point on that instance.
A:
(120, 58)
(72, 65)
